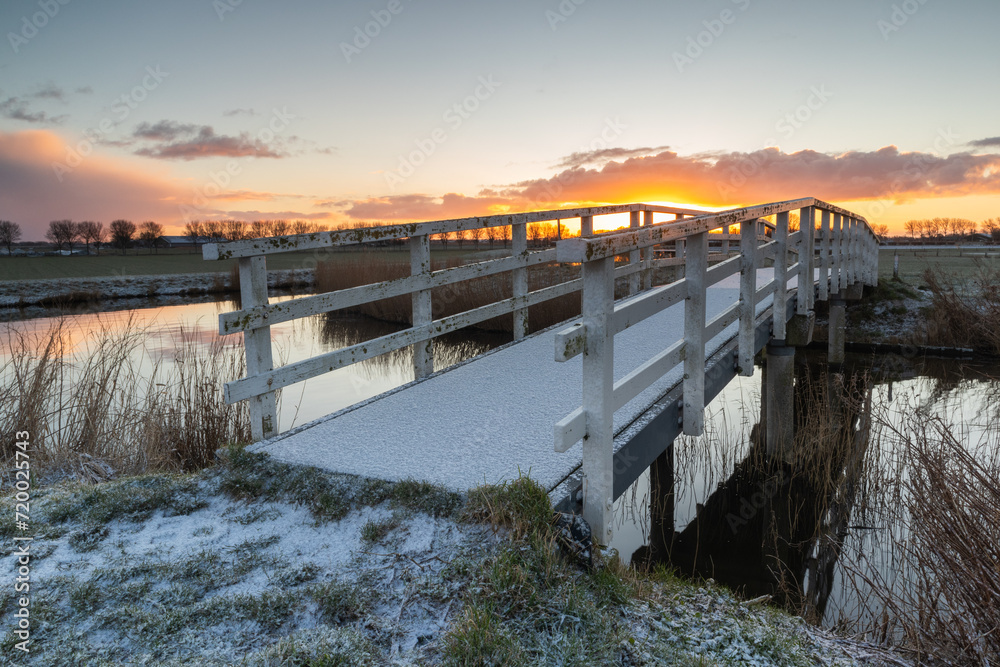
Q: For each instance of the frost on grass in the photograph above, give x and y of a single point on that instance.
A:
(252, 561)
(258, 563)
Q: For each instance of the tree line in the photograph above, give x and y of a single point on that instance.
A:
(960, 227)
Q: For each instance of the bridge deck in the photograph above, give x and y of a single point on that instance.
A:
(491, 418)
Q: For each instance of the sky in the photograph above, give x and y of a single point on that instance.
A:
(400, 110)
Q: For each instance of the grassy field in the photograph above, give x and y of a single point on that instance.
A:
(963, 263)
(182, 261)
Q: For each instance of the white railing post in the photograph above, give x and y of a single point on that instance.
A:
(647, 255)
(835, 254)
(420, 263)
(257, 343)
(586, 225)
(598, 396)
(725, 242)
(694, 334)
(748, 295)
(807, 233)
(519, 249)
(780, 275)
(844, 249)
(633, 256)
(852, 257)
(824, 257)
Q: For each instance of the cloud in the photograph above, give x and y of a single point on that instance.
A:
(240, 112)
(253, 195)
(182, 141)
(989, 142)
(16, 108)
(603, 155)
(718, 179)
(165, 130)
(278, 215)
(96, 189)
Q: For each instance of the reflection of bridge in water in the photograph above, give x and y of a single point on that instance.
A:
(776, 527)
(742, 280)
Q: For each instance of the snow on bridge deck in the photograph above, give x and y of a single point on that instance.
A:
(491, 418)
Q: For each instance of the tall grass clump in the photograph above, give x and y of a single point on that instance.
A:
(940, 597)
(102, 402)
(965, 312)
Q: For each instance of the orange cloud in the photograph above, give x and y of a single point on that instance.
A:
(38, 184)
(715, 179)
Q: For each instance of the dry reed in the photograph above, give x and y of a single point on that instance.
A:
(108, 403)
(965, 313)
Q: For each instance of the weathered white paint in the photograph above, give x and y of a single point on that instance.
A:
(748, 288)
(598, 394)
(257, 345)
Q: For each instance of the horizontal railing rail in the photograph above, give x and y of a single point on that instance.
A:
(257, 314)
(847, 253)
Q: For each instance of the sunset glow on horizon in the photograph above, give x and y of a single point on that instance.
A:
(392, 110)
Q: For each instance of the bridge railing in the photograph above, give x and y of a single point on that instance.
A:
(257, 315)
(847, 252)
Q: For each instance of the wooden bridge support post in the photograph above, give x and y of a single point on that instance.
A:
(845, 250)
(824, 257)
(519, 249)
(837, 329)
(661, 504)
(420, 263)
(835, 256)
(779, 403)
(633, 256)
(647, 255)
(598, 396)
(694, 334)
(807, 239)
(257, 342)
(780, 275)
(748, 296)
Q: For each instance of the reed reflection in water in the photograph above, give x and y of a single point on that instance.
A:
(814, 532)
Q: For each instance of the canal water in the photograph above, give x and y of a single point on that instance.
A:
(727, 516)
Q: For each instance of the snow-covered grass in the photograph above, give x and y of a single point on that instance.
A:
(258, 563)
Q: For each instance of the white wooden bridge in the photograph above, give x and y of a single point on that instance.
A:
(583, 407)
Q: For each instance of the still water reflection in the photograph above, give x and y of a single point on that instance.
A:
(165, 329)
(805, 532)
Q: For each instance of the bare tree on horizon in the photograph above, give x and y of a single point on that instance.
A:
(149, 231)
(122, 232)
(10, 233)
(63, 233)
(89, 232)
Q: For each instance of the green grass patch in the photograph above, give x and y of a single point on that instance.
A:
(132, 499)
(521, 506)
